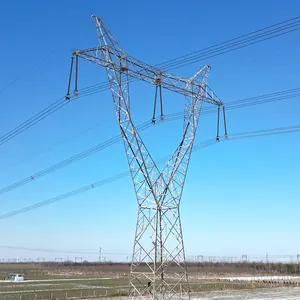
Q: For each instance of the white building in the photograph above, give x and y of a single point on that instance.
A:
(15, 277)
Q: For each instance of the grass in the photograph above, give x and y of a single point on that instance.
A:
(59, 289)
(61, 281)
(95, 288)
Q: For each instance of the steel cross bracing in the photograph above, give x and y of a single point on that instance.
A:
(158, 268)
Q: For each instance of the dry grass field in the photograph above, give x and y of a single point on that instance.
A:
(101, 280)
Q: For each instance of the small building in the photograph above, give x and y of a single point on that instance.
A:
(15, 277)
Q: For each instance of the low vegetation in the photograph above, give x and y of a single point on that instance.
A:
(68, 280)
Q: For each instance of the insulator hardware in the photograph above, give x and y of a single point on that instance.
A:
(157, 81)
(225, 125)
(154, 107)
(161, 104)
(76, 78)
(70, 79)
(218, 126)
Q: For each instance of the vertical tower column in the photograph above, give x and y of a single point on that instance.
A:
(158, 269)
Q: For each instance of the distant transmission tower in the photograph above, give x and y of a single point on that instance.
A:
(158, 268)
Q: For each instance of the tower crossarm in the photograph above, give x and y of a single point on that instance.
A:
(120, 62)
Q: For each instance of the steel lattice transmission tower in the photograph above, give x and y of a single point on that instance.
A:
(158, 268)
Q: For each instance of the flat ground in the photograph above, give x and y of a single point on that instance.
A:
(265, 294)
(82, 281)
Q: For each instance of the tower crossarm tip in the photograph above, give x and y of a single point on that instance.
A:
(96, 18)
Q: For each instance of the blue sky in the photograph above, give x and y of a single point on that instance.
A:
(241, 197)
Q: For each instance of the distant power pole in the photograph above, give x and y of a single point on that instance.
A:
(79, 258)
(100, 250)
(199, 257)
(41, 259)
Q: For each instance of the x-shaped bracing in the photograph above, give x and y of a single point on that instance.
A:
(158, 267)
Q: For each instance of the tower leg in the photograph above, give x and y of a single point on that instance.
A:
(158, 269)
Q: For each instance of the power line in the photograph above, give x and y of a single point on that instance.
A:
(252, 101)
(236, 45)
(215, 50)
(207, 143)
(66, 195)
(69, 160)
(4, 87)
(60, 250)
(63, 141)
(242, 41)
(257, 100)
(33, 120)
(251, 38)
(92, 252)
(234, 40)
(46, 112)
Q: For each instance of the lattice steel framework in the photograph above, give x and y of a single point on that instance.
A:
(158, 268)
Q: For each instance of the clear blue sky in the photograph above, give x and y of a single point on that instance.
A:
(240, 197)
